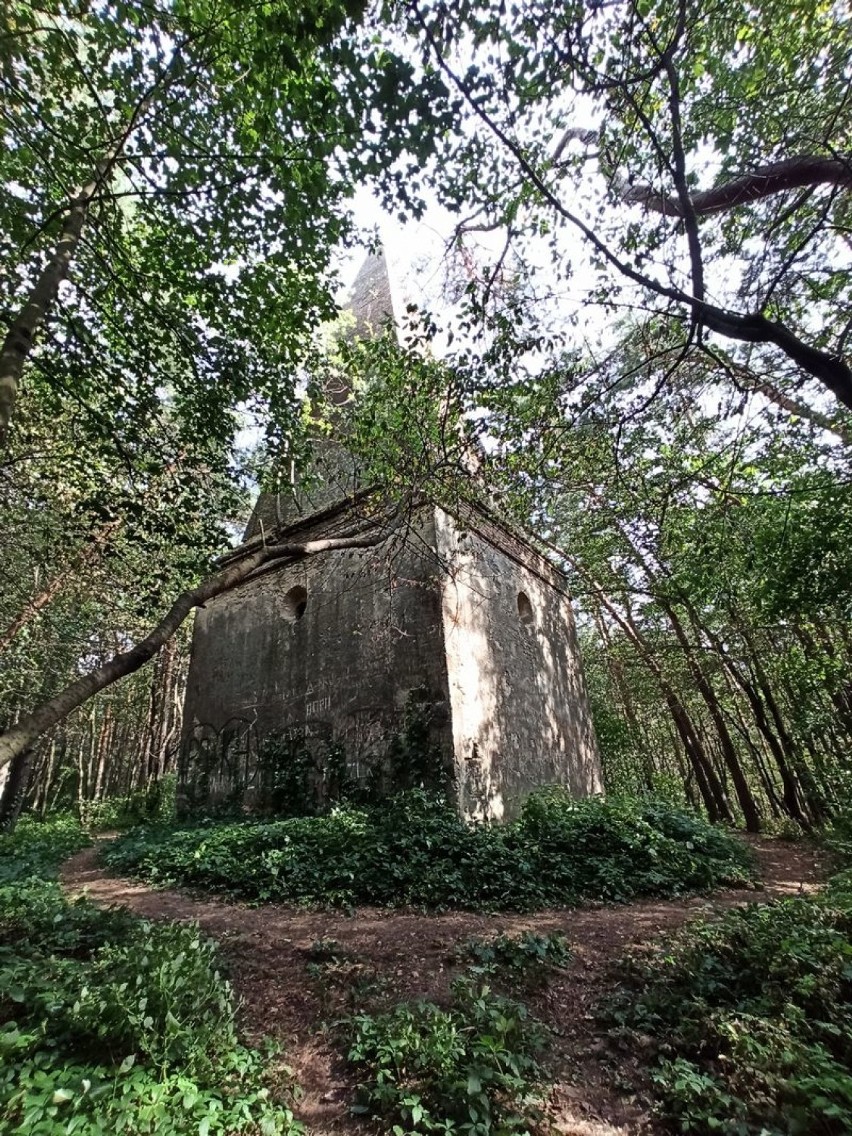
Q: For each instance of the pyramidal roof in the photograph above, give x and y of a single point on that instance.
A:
(371, 299)
(333, 468)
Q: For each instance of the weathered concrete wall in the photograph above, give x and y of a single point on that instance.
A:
(466, 616)
(370, 634)
(520, 712)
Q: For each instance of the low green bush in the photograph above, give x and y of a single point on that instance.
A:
(36, 848)
(415, 850)
(34, 914)
(469, 1069)
(45, 1094)
(110, 1024)
(837, 836)
(152, 805)
(749, 1019)
(156, 995)
(523, 960)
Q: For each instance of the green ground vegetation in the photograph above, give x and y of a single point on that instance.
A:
(526, 960)
(110, 1024)
(470, 1067)
(471, 1061)
(748, 1019)
(415, 850)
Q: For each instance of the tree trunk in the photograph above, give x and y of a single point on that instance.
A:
(708, 783)
(15, 789)
(617, 675)
(730, 757)
(791, 798)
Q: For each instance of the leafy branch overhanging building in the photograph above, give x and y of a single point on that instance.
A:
(453, 613)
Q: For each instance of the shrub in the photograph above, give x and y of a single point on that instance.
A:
(620, 849)
(36, 917)
(414, 849)
(471, 1068)
(526, 959)
(45, 1095)
(36, 848)
(155, 995)
(109, 1023)
(751, 1018)
(152, 805)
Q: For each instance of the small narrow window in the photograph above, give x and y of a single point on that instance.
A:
(525, 611)
(295, 603)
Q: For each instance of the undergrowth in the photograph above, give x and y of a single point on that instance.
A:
(154, 804)
(108, 1023)
(748, 1020)
(469, 1069)
(415, 850)
(524, 960)
(35, 848)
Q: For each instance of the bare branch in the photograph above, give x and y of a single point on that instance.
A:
(805, 171)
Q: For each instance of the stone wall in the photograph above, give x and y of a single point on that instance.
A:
(518, 702)
(464, 616)
(332, 647)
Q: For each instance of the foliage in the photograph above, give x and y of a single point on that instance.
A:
(623, 849)
(414, 849)
(470, 1068)
(109, 1023)
(681, 98)
(47, 1096)
(36, 848)
(750, 1019)
(203, 153)
(526, 959)
(152, 805)
(838, 836)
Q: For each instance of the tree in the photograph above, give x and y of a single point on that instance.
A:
(177, 291)
(713, 188)
(706, 550)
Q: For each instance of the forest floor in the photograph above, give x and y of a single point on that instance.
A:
(286, 994)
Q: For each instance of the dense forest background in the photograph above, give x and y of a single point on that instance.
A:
(641, 345)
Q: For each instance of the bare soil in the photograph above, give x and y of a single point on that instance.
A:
(297, 972)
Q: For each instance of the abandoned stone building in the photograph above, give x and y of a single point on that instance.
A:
(453, 620)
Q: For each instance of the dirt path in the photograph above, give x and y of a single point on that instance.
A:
(287, 994)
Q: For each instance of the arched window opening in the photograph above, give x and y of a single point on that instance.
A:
(525, 609)
(295, 604)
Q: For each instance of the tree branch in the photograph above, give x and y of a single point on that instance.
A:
(805, 171)
(26, 732)
(828, 367)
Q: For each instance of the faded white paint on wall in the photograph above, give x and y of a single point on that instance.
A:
(518, 705)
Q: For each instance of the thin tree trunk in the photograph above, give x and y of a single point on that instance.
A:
(103, 751)
(711, 789)
(791, 795)
(730, 758)
(793, 759)
(15, 789)
(46, 779)
(87, 556)
(617, 674)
